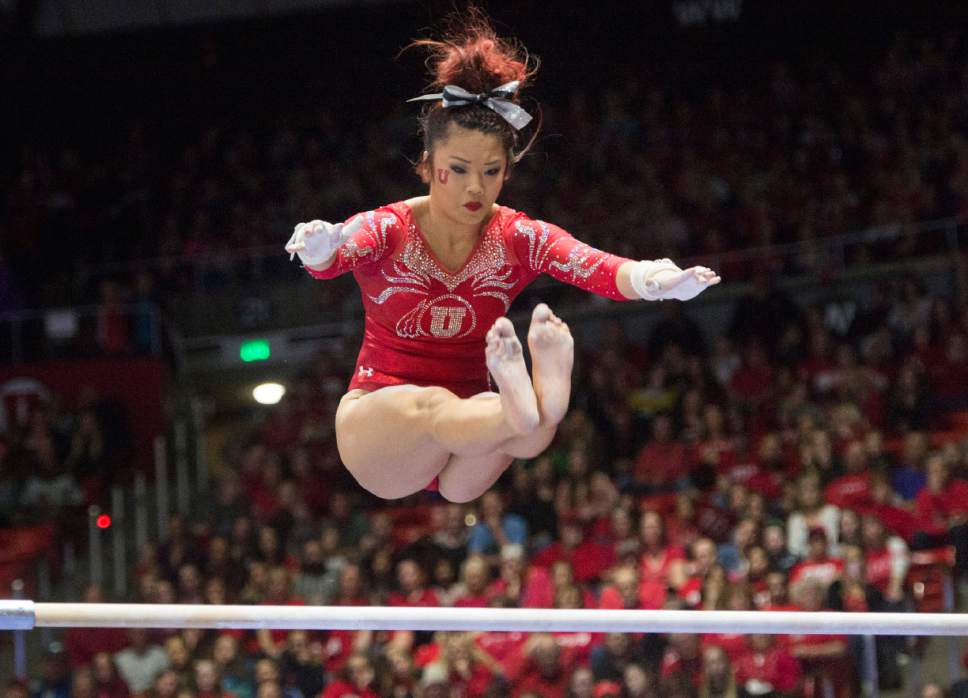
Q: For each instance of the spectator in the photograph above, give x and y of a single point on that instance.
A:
(539, 668)
(207, 680)
(475, 579)
(519, 584)
(83, 684)
(412, 586)
(812, 513)
(470, 671)
(350, 521)
(400, 677)
(179, 658)
(300, 667)
(823, 657)
(165, 685)
(638, 682)
(236, 678)
(451, 535)
(141, 662)
(661, 562)
(703, 561)
(767, 667)
(717, 674)
(886, 559)
(942, 509)
(682, 657)
(730, 555)
(496, 529)
(818, 564)
(588, 558)
(55, 680)
(109, 684)
(663, 464)
(358, 680)
(533, 494)
(314, 581)
(610, 659)
(582, 683)
(82, 644)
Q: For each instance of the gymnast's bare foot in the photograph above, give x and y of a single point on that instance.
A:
(505, 361)
(552, 357)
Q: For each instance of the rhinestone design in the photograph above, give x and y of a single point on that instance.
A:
(352, 253)
(416, 269)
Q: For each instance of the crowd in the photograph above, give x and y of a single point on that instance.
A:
(794, 462)
(56, 458)
(790, 465)
(810, 149)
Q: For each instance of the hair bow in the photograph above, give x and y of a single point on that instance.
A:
(496, 100)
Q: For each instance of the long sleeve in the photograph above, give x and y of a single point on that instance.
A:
(544, 248)
(378, 237)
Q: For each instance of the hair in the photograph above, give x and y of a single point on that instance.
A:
(471, 55)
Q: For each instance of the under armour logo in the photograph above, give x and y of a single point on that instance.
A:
(366, 372)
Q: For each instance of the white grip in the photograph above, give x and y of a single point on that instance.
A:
(316, 242)
(643, 278)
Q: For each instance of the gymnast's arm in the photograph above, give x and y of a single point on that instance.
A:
(330, 249)
(546, 248)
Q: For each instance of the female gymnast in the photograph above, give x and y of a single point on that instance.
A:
(437, 274)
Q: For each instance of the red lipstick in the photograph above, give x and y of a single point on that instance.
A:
(472, 205)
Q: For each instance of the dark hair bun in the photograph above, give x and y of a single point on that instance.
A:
(472, 56)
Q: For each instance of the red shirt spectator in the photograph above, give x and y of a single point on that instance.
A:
(943, 500)
(475, 578)
(412, 592)
(753, 380)
(682, 656)
(734, 644)
(660, 562)
(768, 662)
(502, 647)
(357, 681)
(540, 668)
(818, 565)
(589, 559)
(662, 462)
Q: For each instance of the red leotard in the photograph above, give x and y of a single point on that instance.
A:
(425, 325)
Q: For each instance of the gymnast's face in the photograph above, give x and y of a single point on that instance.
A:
(467, 172)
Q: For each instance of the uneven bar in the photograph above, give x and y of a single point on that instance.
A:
(25, 614)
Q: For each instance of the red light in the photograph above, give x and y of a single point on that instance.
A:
(103, 521)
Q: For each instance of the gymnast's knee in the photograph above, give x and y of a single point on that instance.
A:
(458, 493)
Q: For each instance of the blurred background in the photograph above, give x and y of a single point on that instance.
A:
(794, 438)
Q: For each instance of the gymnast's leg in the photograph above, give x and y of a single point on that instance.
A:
(552, 356)
(396, 440)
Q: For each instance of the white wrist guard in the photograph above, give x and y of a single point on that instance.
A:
(643, 277)
(317, 241)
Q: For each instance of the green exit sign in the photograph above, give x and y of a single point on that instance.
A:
(254, 350)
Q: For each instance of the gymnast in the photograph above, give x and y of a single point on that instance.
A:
(437, 274)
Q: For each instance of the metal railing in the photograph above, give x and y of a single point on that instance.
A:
(52, 333)
(831, 253)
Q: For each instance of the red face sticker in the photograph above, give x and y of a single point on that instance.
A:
(442, 176)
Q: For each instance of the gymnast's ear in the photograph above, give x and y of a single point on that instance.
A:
(423, 167)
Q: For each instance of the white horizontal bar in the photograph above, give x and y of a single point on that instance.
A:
(16, 614)
(69, 615)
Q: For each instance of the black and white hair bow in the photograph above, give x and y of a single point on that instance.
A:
(497, 100)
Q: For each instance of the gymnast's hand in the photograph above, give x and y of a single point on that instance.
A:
(316, 242)
(684, 284)
(662, 279)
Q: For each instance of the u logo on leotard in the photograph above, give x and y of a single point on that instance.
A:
(446, 322)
